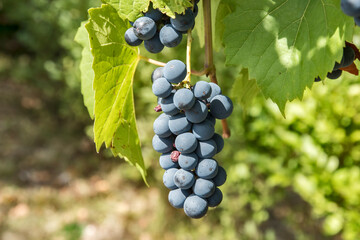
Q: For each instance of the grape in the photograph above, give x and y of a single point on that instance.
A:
(206, 149)
(204, 188)
(334, 74)
(351, 7)
(168, 106)
(202, 90)
(168, 178)
(197, 113)
(166, 162)
(179, 124)
(169, 36)
(357, 20)
(131, 23)
(215, 90)
(184, 99)
(177, 197)
(188, 161)
(184, 179)
(161, 126)
(175, 71)
(154, 14)
(144, 28)
(162, 145)
(162, 88)
(204, 130)
(157, 73)
(154, 45)
(195, 206)
(183, 22)
(186, 143)
(220, 177)
(207, 168)
(219, 142)
(196, 10)
(221, 106)
(347, 59)
(131, 38)
(215, 199)
(211, 119)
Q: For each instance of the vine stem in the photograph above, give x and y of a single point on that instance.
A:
(209, 57)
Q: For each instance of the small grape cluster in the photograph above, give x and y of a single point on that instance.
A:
(185, 135)
(158, 30)
(352, 9)
(347, 59)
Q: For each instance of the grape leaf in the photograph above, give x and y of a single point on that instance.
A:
(244, 89)
(86, 71)
(285, 44)
(129, 9)
(170, 7)
(224, 9)
(114, 66)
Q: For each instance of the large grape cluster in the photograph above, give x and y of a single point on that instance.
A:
(347, 59)
(185, 135)
(158, 30)
(352, 9)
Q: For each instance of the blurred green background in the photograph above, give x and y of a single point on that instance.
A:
(293, 178)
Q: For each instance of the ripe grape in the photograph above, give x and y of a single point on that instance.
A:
(197, 113)
(166, 162)
(168, 178)
(161, 88)
(144, 28)
(179, 124)
(206, 149)
(220, 177)
(154, 45)
(347, 59)
(188, 161)
(221, 106)
(215, 90)
(157, 73)
(195, 206)
(175, 71)
(177, 197)
(162, 145)
(204, 188)
(154, 14)
(204, 130)
(184, 179)
(219, 142)
(186, 142)
(183, 22)
(202, 90)
(207, 168)
(351, 7)
(169, 36)
(168, 106)
(161, 126)
(334, 74)
(184, 99)
(131, 38)
(215, 199)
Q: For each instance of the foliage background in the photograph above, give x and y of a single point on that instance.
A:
(293, 178)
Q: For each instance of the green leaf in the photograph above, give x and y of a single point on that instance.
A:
(244, 89)
(285, 44)
(114, 66)
(170, 7)
(129, 9)
(86, 71)
(224, 9)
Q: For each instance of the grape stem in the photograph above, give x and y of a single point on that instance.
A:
(209, 57)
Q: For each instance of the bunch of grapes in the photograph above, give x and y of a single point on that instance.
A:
(352, 9)
(185, 135)
(158, 30)
(347, 59)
